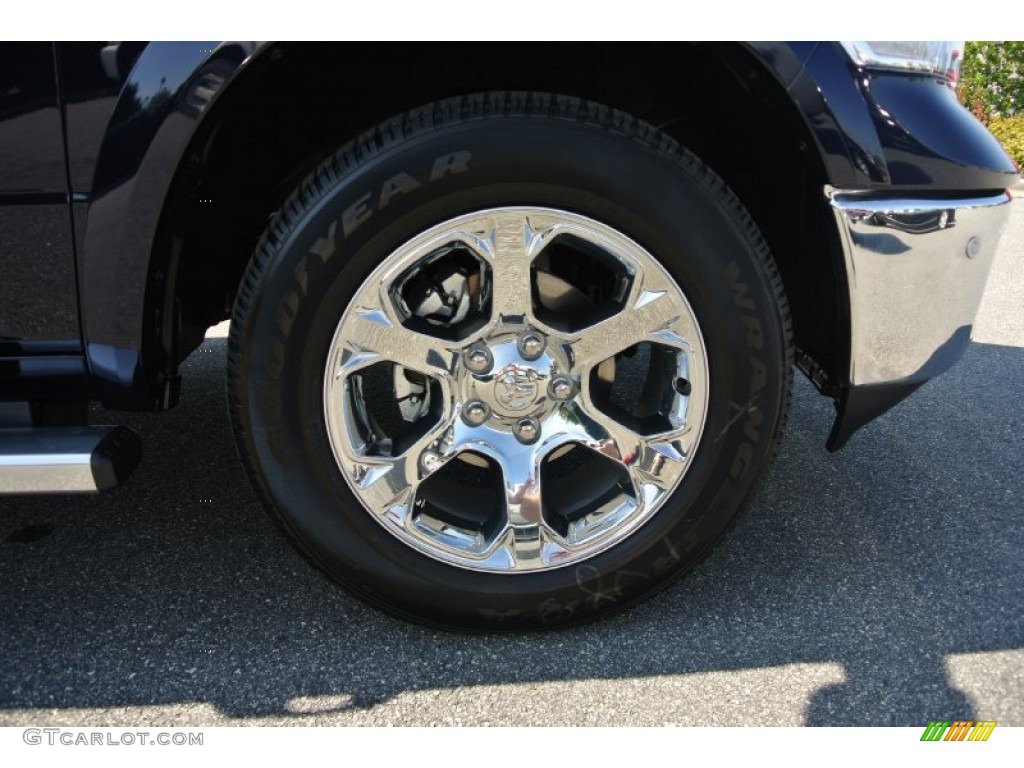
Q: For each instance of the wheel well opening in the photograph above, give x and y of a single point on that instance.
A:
(294, 104)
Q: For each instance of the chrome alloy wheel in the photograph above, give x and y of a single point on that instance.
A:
(516, 390)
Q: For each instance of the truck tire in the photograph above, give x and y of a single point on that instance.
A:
(509, 359)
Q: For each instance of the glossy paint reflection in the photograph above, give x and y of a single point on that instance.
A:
(37, 288)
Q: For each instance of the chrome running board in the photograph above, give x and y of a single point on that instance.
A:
(66, 459)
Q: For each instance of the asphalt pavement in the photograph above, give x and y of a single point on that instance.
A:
(883, 585)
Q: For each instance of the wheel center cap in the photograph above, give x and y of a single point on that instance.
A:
(515, 387)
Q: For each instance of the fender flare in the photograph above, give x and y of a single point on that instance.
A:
(161, 106)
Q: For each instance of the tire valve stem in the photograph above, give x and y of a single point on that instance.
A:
(682, 386)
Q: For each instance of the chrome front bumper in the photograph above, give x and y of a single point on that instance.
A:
(916, 271)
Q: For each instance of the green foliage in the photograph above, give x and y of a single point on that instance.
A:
(1010, 132)
(992, 79)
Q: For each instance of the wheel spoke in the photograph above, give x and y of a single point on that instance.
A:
(372, 336)
(428, 454)
(610, 438)
(389, 481)
(652, 462)
(652, 314)
(511, 250)
(525, 535)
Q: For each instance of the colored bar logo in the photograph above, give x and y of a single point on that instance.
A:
(958, 730)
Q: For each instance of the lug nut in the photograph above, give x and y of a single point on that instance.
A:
(475, 413)
(531, 345)
(479, 360)
(562, 388)
(430, 461)
(527, 430)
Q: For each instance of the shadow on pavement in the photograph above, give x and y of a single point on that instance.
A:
(884, 558)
